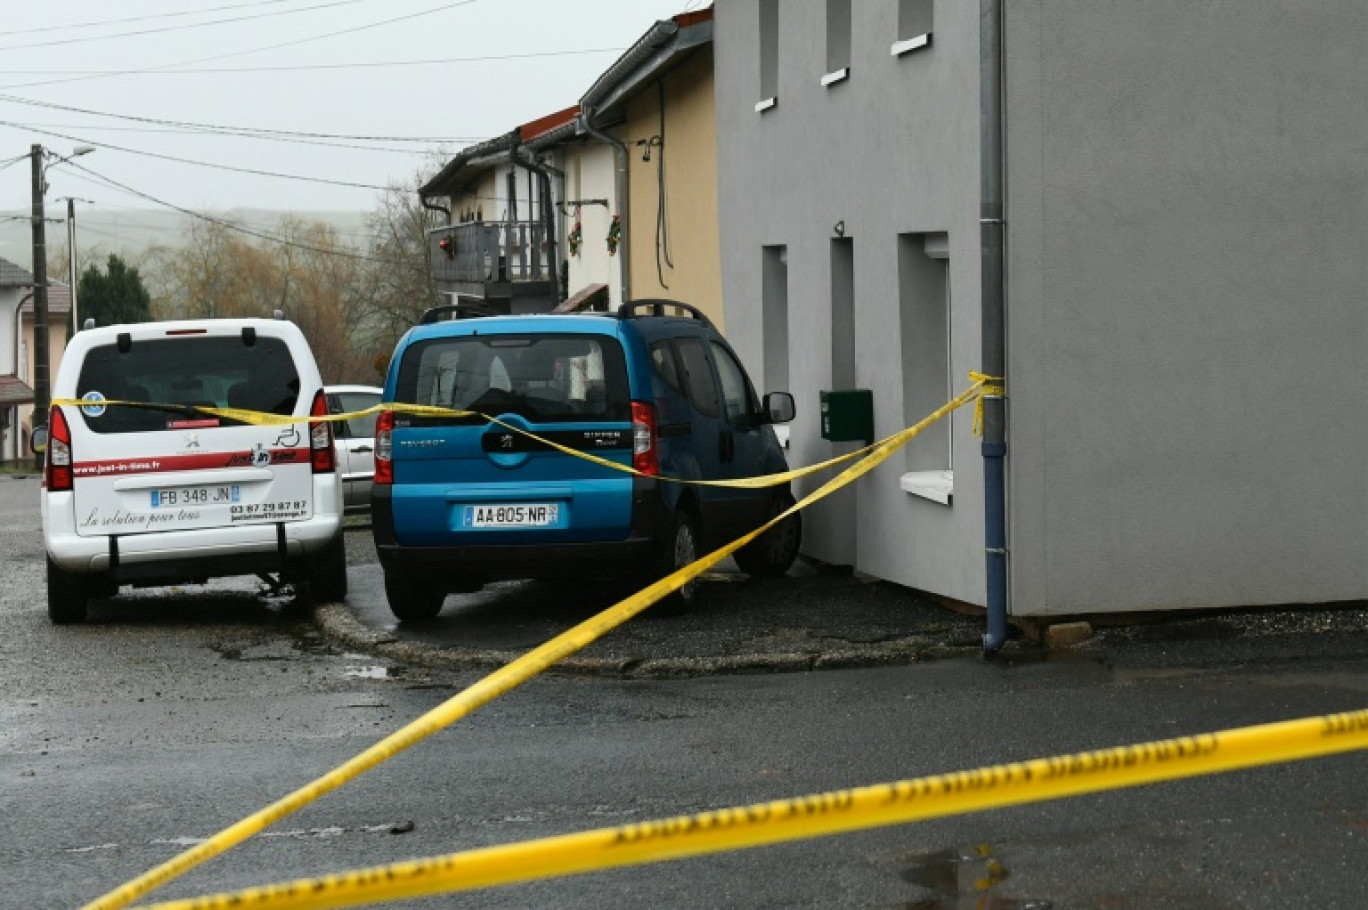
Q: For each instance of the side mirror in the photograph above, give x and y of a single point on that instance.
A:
(779, 407)
(39, 440)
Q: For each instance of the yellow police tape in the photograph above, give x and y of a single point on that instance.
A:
(981, 387)
(816, 815)
(502, 680)
(262, 418)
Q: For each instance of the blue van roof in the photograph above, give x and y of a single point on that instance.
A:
(596, 323)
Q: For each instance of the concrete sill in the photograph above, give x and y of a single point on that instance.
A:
(836, 76)
(937, 486)
(910, 44)
(762, 106)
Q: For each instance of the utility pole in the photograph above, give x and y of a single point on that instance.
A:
(71, 260)
(41, 395)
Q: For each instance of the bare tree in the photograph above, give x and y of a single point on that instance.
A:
(352, 303)
(397, 285)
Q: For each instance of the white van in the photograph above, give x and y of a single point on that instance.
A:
(143, 488)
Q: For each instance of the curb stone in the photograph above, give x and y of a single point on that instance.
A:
(340, 627)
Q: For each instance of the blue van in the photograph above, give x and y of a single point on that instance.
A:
(459, 501)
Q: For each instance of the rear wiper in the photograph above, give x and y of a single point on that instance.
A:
(188, 410)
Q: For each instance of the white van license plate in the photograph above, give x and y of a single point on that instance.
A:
(527, 515)
(211, 495)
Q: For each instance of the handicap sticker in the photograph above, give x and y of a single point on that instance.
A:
(93, 410)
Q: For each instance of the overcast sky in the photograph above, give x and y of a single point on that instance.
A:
(360, 75)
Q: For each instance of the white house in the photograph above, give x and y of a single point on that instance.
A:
(16, 352)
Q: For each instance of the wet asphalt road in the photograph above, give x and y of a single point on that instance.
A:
(176, 713)
(808, 620)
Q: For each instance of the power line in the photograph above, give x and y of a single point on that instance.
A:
(220, 167)
(227, 130)
(124, 20)
(39, 127)
(270, 47)
(223, 223)
(174, 28)
(304, 67)
(121, 229)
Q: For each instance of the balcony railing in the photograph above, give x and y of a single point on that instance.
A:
(490, 252)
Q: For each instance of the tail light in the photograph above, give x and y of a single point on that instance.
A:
(57, 473)
(645, 454)
(384, 448)
(321, 437)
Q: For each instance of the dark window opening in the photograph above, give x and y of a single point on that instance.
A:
(177, 375)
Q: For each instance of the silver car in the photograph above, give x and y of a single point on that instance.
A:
(355, 441)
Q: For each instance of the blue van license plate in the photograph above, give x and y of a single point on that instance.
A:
(525, 515)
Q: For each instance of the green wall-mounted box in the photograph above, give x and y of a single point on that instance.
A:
(848, 415)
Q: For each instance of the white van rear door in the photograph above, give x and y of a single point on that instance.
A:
(146, 457)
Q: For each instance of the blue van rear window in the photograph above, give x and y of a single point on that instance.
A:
(544, 378)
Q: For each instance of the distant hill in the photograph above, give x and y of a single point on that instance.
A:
(129, 233)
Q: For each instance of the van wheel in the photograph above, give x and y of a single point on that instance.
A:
(681, 549)
(327, 572)
(68, 596)
(772, 553)
(410, 599)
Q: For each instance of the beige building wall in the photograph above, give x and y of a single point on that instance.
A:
(693, 273)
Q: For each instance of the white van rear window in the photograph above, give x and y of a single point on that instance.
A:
(174, 375)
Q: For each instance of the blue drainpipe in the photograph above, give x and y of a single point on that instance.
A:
(994, 343)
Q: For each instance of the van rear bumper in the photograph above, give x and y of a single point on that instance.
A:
(171, 556)
(479, 563)
(495, 563)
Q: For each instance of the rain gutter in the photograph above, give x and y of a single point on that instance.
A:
(592, 104)
(994, 360)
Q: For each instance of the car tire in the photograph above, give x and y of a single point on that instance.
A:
(772, 554)
(681, 548)
(327, 572)
(411, 600)
(68, 596)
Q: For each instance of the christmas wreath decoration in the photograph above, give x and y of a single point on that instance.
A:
(614, 235)
(576, 235)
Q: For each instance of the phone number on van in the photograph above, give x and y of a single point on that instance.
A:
(270, 511)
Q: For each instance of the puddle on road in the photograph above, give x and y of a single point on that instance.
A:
(375, 672)
(962, 878)
(1037, 656)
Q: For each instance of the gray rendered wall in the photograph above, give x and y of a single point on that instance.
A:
(1187, 227)
(892, 149)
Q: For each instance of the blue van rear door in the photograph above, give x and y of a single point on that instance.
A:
(490, 472)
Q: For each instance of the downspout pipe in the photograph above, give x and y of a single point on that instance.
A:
(18, 337)
(623, 183)
(992, 230)
(434, 207)
(548, 214)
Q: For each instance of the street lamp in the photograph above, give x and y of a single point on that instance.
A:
(41, 397)
(71, 252)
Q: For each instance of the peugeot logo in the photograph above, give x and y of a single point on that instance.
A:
(192, 440)
(420, 443)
